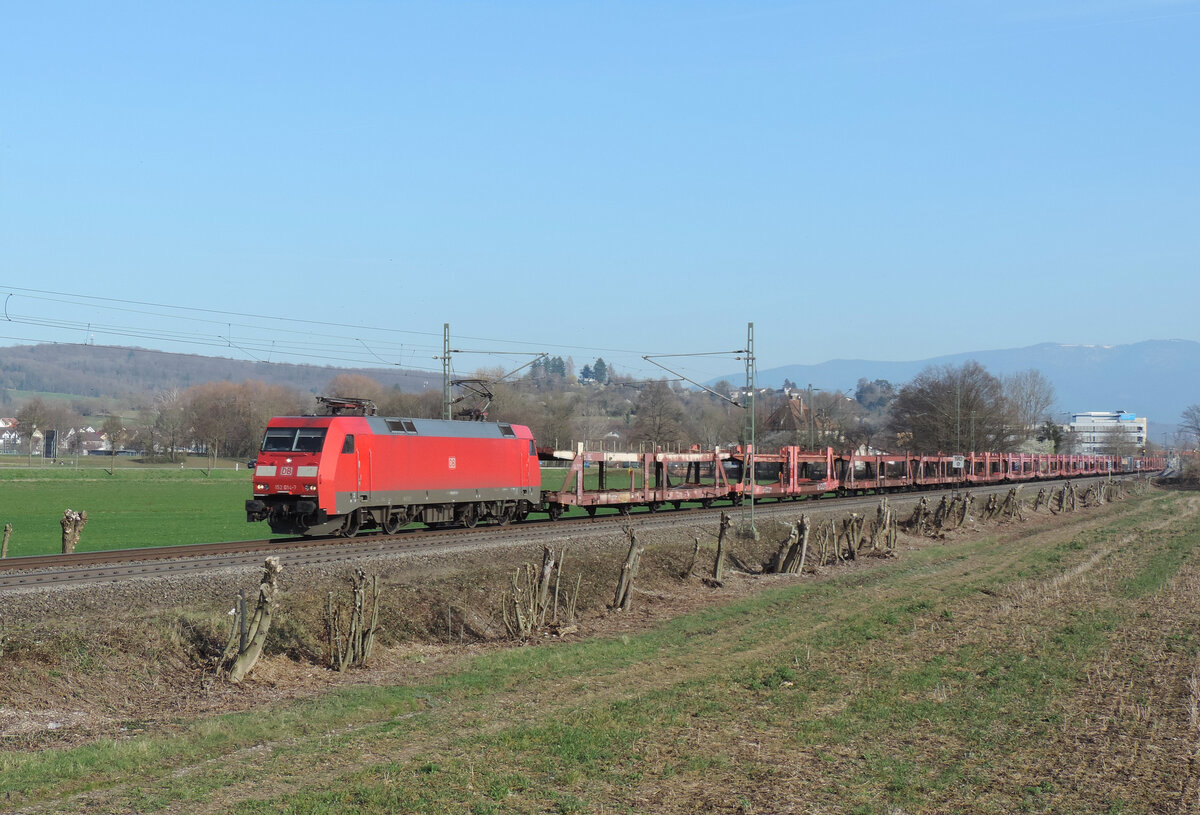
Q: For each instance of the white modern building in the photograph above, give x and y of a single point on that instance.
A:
(1108, 431)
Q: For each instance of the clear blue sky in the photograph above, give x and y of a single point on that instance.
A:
(331, 182)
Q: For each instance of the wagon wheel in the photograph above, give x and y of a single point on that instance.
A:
(591, 511)
(555, 512)
(655, 506)
(706, 502)
(623, 510)
(392, 521)
(351, 525)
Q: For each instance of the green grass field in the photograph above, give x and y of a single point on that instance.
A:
(136, 506)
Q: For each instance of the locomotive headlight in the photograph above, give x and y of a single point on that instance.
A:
(260, 487)
(310, 487)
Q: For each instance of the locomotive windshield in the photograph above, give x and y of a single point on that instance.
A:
(293, 440)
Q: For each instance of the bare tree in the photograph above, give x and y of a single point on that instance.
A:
(590, 423)
(169, 421)
(1190, 422)
(33, 415)
(1030, 394)
(1116, 442)
(659, 415)
(230, 418)
(424, 405)
(717, 422)
(861, 432)
(555, 422)
(835, 416)
(953, 409)
(114, 430)
(355, 386)
(46, 417)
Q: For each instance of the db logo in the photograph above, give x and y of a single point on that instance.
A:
(285, 470)
(453, 462)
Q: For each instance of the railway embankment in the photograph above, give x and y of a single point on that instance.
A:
(81, 661)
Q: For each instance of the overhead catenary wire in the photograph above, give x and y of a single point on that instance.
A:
(221, 317)
(257, 336)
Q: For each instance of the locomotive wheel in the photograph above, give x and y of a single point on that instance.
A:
(469, 517)
(350, 526)
(506, 516)
(392, 523)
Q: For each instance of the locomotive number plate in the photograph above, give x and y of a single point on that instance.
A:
(453, 462)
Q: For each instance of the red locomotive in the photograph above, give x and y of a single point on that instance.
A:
(337, 474)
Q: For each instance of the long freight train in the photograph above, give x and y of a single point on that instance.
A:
(339, 474)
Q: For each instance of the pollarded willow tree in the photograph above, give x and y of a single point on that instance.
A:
(954, 410)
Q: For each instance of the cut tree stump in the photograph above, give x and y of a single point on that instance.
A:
(247, 640)
(72, 527)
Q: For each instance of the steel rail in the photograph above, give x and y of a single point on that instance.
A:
(112, 565)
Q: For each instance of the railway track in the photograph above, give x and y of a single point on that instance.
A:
(115, 565)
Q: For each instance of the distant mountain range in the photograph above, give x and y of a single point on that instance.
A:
(1156, 379)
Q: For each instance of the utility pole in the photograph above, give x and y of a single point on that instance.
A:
(958, 415)
(446, 371)
(748, 474)
(812, 420)
(746, 353)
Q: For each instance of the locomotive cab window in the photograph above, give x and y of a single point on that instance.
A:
(310, 439)
(293, 440)
(348, 444)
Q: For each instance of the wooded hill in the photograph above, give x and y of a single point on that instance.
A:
(120, 373)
